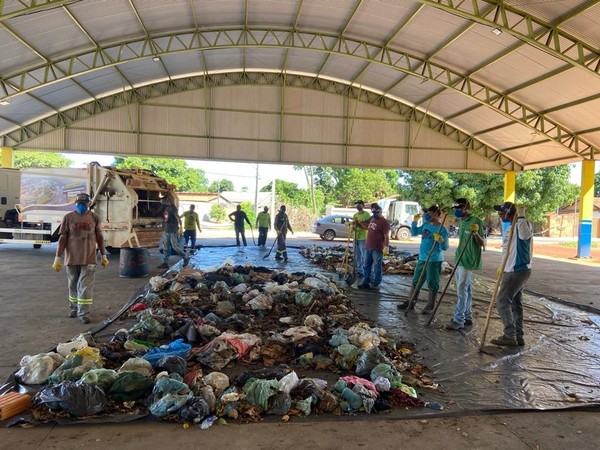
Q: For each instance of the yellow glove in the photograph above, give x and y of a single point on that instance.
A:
(498, 272)
(437, 238)
(416, 217)
(386, 251)
(104, 261)
(474, 227)
(58, 263)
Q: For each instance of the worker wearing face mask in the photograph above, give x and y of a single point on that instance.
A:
(470, 243)
(360, 223)
(378, 241)
(434, 241)
(80, 239)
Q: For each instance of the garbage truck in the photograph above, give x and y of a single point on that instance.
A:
(34, 201)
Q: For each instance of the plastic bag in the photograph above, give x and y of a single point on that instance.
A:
(100, 377)
(175, 348)
(73, 368)
(289, 382)
(218, 381)
(172, 364)
(169, 403)
(261, 302)
(313, 321)
(385, 371)
(66, 348)
(148, 328)
(38, 368)
(139, 365)
(195, 410)
(304, 299)
(78, 399)
(279, 404)
(368, 360)
(130, 386)
(258, 391)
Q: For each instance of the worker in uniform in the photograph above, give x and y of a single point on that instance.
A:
(239, 217)
(517, 271)
(359, 227)
(191, 221)
(80, 239)
(470, 243)
(434, 241)
(282, 225)
(263, 223)
(171, 232)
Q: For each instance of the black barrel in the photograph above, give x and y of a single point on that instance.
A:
(134, 262)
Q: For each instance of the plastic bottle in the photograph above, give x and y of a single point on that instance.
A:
(208, 422)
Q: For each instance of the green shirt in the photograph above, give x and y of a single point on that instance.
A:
(361, 233)
(471, 258)
(263, 220)
(190, 220)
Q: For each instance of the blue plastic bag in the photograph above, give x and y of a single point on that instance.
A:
(175, 348)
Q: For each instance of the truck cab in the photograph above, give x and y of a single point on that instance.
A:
(400, 214)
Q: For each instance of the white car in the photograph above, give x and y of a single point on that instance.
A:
(330, 227)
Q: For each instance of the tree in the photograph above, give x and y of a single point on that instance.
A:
(540, 190)
(346, 185)
(221, 186)
(24, 160)
(597, 185)
(217, 213)
(175, 171)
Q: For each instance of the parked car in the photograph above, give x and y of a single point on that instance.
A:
(331, 227)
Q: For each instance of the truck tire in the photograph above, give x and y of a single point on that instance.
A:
(403, 234)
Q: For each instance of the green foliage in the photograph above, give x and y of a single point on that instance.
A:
(290, 194)
(343, 186)
(175, 171)
(597, 185)
(221, 186)
(540, 190)
(217, 213)
(249, 210)
(24, 160)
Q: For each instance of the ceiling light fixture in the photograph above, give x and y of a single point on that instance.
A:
(156, 58)
(497, 31)
(4, 101)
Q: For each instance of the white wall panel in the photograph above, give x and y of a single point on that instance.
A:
(314, 129)
(255, 98)
(231, 149)
(124, 118)
(179, 146)
(244, 125)
(51, 141)
(193, 98)
(321, 154)
(307, 101)
(98, 141)
(172, 120)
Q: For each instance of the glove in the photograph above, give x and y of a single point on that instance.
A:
(386, 251)
(104, 261)
(58, 263)
(474, 227)
(498, 272)
(437, 238)
(416, 217)
(520, 211)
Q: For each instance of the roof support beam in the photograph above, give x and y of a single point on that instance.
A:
(29, 7)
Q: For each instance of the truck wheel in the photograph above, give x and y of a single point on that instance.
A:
(37, 245)
(113, 250)
(403, 234)
(329, 235)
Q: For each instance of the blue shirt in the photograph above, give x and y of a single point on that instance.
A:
(426, 231)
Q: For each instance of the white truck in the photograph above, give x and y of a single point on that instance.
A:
(398, 212)
(34, 201)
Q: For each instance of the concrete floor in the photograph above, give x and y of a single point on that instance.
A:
(33, 320)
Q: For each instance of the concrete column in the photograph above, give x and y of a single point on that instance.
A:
(586, 210)
(8, 160)
(510, 182)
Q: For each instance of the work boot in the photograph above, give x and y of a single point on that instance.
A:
(453, 326)
(163, 266)
(406, 304)
(72, 314)
(504, 341)
(84, 319)
(520, 341)
(430, 303)
(186, 261)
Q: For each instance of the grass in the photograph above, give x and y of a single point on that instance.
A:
(574, 244)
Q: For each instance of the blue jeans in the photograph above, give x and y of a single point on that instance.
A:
(464, 295)
(171, 241)
(360, 256)
(374, 264)
(510, 302)
(190, 235)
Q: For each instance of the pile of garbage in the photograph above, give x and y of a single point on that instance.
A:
(340, 260)
(235, 343)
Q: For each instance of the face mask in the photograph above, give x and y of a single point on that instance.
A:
(459, 213)
(81, 208)
(359, 207)
(427, 217)
(376, 214)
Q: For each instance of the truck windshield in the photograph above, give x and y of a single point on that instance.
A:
(411, 209)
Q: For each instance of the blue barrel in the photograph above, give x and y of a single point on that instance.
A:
(134, 262)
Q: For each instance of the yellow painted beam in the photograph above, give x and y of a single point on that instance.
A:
(586, 209)
(7, 158)
(510, 182)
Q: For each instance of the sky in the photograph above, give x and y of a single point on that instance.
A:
(244, 174)
(241, 174)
